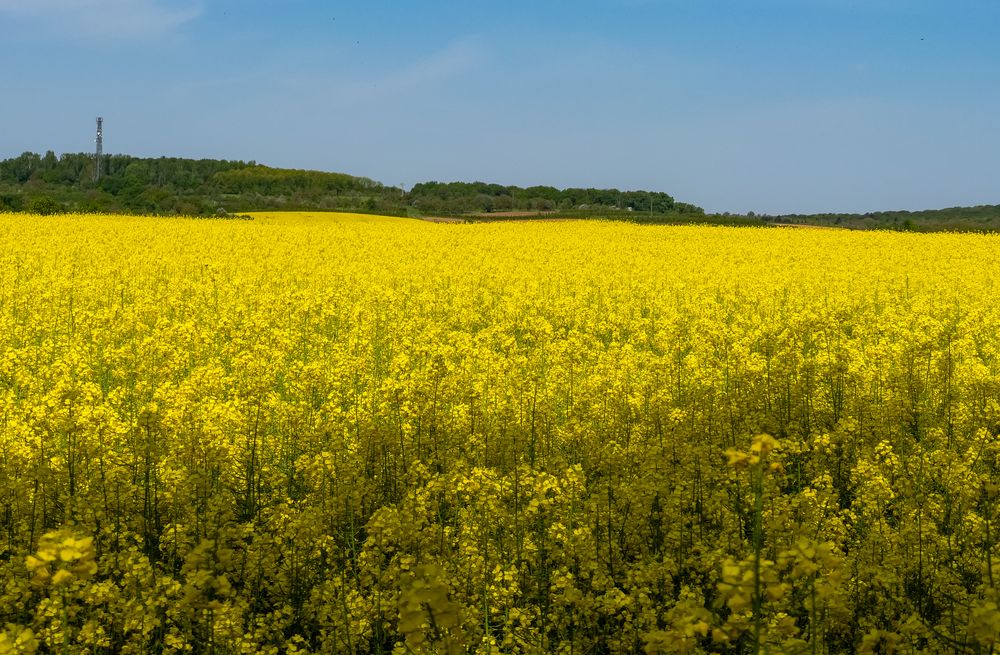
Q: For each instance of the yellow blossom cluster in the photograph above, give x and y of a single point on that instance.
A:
(319, 433)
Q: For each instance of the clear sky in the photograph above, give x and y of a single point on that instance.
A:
(734, 105)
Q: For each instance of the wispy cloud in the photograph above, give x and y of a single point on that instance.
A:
(105, 19)
(335, 81)
(436, 68)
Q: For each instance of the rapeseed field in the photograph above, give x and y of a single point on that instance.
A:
(312, 433)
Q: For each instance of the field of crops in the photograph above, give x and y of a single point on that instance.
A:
(349, 434)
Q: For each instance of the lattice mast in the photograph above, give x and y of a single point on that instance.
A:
(100, 149)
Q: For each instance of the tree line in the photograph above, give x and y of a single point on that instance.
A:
(170, 185)
(49, 183)
(462, 197)
(981, 218)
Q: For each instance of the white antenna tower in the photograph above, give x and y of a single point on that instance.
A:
(100, 149)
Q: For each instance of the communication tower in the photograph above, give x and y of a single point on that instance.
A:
(100, 149)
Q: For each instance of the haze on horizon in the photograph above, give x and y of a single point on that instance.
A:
(783, 106)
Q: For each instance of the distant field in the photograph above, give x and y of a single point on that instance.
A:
(345, 433)
(340, 217)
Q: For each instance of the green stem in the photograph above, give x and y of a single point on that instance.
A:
(758, 511)
(65, 624)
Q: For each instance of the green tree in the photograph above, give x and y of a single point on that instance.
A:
(44, 206)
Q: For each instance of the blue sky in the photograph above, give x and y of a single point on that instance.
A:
(770, 105)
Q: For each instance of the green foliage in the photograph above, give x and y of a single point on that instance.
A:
(44, 206)
(466, 197)
(11, 202)
(207, 187)
(276, 181)
(981, 218)
(183, 186)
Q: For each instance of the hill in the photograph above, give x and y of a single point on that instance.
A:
(49, 184)
(981, 218)
(169, 185)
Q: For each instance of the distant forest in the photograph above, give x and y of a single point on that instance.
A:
(50, 184)
(167, 185)
(981, 218)
(463, 197)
